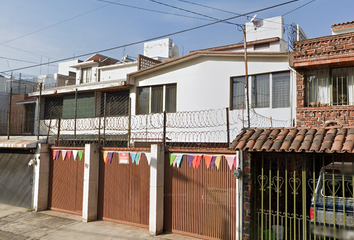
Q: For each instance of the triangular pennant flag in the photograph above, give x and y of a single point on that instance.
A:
(207, 160)
(179, 160)
(212, 164)
(105, 154)
(235, 161)
(199, 159)
(69, 154)
(57, 156)
(133, 155)
(175, 160)
(148, 157)
(123, 158)
(194, 163)
(190, 160)
(80, 153)
(63, 154)
(172, 158)
(230, 161)
(110, 156)
(217, 162)
(137, 158)
(75, 154)
(54, 154)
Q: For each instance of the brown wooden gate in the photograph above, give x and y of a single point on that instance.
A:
(124, 191)
(200, 202)
(66, 179)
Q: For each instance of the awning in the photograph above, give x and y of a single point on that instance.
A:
(296, 139)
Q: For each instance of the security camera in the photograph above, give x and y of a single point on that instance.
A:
(32, 162)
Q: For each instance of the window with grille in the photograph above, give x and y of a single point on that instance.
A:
(156, 99)
(330, 87)
(115, 103)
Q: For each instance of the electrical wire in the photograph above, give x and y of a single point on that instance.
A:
(298, 7)
(39, 30)
(152, 10)
(155, 38)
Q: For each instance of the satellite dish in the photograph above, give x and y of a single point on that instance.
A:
(254, 17)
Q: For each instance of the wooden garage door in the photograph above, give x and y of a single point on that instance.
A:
(200, 202)
(124, 191)
(66, 181)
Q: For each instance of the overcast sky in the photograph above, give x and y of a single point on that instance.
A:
(35, 31)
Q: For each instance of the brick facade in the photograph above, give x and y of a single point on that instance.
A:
(320, 53)
(247, 198)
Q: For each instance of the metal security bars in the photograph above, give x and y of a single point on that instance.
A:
(304, 196)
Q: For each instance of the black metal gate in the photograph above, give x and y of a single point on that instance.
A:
(303, 196)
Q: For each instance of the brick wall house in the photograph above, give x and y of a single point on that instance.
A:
(325, 80)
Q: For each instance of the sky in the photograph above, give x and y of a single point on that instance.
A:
(42, 31)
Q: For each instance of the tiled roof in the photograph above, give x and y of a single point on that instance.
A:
(342, 24)
(319, 140)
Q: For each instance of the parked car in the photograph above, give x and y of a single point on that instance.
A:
(331, 211)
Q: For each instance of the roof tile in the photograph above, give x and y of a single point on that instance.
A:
(330, 140)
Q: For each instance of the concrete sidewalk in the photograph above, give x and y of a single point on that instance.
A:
(19, 224)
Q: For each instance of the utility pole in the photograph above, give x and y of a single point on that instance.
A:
(246, 76)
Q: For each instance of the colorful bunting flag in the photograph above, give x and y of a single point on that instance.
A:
(198, 160)
(195, 160)
(110, 156)
(207, 160)
(63, 154)
(105, 154)
(133, 155)
(148, 157)
(212, 164)
(190, 160)
(235, 161)
(123, 158)
(179, 160)
(172, 158)
(80, 153)
(69, 154)
(230, 161)
(57, 156)
(54, 154)
(75, 154)
(217, 162)
(175, 160)
(137, 158)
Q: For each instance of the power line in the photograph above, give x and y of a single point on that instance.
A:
(39, 30)
(186, 10)
(151, 10)
(298, 7)
(154, 38)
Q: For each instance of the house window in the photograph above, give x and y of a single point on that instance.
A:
(260, 91)
(156, 99)
(85, 105)
(261, 46)
(86, 75)
(281, 90)
(117, 103)
(264, 88)
(238, 93)
(330, 87)
(53, 107)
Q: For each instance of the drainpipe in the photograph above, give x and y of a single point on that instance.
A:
(292, 76)
(239, 197)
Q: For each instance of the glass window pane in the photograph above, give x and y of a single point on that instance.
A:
(157, 99)
(281, 90)
(170, 98)
(238, 92)
(143, 100)
(260, 91)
